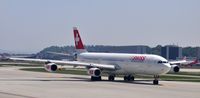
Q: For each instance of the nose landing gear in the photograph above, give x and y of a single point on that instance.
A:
(156, 78)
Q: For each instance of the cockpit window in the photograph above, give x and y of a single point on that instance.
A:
(165, 62)
(159, 62)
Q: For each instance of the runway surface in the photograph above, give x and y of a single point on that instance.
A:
(189, 70)
(15, 83)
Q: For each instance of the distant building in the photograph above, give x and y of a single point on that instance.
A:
(139, 49)
(171, 52)
(198, 52)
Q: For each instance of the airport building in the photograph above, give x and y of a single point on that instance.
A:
(139, 49)
(198, 52)
(171, 52)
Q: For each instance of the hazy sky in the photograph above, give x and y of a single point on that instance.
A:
(31, 25)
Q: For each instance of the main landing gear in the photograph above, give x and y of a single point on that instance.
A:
(156, 78)
(129, 78)
(126, 78)
(111, 77)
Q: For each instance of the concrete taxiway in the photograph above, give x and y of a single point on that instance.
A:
(15, 83)
(189, 70)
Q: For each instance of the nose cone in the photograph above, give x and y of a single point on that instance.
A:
(166, 68)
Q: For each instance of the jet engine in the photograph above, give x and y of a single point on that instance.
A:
(174, 69)
(96, 72)
(51, 67)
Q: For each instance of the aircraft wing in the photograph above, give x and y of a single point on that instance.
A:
(65, 63)
(58, 53)
(184, 62)
(177, 62)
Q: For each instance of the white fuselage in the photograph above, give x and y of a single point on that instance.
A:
(128, 63)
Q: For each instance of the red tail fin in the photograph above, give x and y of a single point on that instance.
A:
(77, 39)
(195, 61)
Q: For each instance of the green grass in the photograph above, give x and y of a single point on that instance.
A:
(188, 73)
(84, 72)
(180, 78)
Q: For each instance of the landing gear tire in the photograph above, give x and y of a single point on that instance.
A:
(99, 79)
(132, 78)
(129, 78)
(111, 78)
(125, 78)
(155, 81)
(93, 78)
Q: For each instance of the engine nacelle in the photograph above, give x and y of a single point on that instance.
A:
(51, 67)
(94, 72)
(174, 69)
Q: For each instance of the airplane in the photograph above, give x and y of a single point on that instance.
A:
(185, 63)
(112, 64)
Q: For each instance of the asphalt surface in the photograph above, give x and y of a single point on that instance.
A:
(15, 83)
(189, 70)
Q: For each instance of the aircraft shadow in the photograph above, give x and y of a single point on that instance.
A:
(84, 79)
(142, 82)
